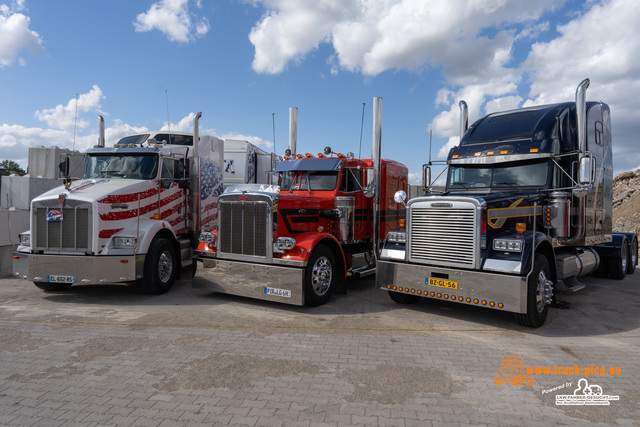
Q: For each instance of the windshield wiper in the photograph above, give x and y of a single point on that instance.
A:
(461, 184)
(511, 184)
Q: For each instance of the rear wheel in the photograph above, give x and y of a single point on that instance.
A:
(633, 256)
(618, 264)
(320, 277)
(160, 267)
(403, 298)
(46, 286)
(539, 294)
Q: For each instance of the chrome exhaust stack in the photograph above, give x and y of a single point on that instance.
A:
(464, 118)
(293, 131)
(101, 138)
(195, 181)
(585, 162)
(376, 144)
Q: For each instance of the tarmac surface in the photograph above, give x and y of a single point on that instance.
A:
(111, 356)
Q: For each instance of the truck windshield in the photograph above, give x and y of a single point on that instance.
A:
(131, 166)
(308, 180)
(497, 176)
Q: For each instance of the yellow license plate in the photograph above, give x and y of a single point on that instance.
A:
(441, 283)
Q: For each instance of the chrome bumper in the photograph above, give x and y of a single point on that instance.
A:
(85, 269)
(260, 281)
(506, 292)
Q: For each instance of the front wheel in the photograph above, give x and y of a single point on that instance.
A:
(618, 264)
(49, 287)
(539, 294)
(320, 277)
(160, 267)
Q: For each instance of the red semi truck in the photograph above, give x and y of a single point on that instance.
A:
(296, 242)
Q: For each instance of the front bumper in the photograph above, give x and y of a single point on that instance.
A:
(83, 269)
(260, 281)
(492, 290)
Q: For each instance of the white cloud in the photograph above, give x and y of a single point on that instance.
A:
(174, 19)
(64, 116)
(372, 36)
(603, 45)
(15, 34)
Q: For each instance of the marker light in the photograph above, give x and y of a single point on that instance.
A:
(521, 227)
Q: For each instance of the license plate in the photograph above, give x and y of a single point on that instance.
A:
(277, 292)
(56, 278)
(441, 283)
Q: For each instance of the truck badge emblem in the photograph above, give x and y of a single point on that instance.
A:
(243, 198)
(54, 215)
(441, 205)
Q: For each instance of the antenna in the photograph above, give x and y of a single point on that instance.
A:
(361, 127)
(430, 137)
(166, 96)
(75, 124)
(273, 119)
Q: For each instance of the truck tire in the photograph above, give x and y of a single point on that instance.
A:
(633, 256)
(403, 298)
(618, 264)
(539, 294)
(160, 267)
(320, 277)
(49, 287)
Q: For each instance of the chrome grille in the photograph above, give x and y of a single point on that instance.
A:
(72, 234)
(244, 227)
(445, 237)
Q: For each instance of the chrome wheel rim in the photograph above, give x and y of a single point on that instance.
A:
(165, 266)
(321, 276)
(544, 291)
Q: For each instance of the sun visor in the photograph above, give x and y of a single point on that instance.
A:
(309, 165)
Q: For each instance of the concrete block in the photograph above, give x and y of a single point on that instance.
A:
(45, 161)
(12, 223)
(18, 191)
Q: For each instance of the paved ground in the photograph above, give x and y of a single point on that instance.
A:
(107, 355)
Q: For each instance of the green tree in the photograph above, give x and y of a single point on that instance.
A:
(12, 166)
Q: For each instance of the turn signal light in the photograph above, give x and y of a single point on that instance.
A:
(521, 227)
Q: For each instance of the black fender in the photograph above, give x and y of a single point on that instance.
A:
(613, 248)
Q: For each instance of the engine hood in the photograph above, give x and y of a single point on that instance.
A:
(101, 189)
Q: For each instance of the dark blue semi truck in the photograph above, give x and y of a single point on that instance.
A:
(527, 209)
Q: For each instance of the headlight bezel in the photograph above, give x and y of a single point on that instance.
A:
(397, 237)
(283, 244)
(508, 245)
(125, 242)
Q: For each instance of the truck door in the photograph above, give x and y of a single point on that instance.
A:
(350, 185)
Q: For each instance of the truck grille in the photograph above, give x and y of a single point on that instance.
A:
(72, 234)
(244, 228)
(444, 237)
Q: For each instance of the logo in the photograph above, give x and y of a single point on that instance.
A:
(511, 371)
(54, 215)
(585, 394)
(243, 198)
(441, 205)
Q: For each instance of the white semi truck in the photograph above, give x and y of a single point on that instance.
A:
(134, 216)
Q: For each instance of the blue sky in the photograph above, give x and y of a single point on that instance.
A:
(240, 61)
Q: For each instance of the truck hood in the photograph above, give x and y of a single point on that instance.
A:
(104, 190)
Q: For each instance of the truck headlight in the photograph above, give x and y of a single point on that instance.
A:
(208, 237)
(397, 237)
(125, 242)
(25, 239)
(283, 244)
(507, 245)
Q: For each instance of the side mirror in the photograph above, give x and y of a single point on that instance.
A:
(586, 169)
(426, 177)
(370, 189)
(183, 183)
(400, 197)
(64, 166)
